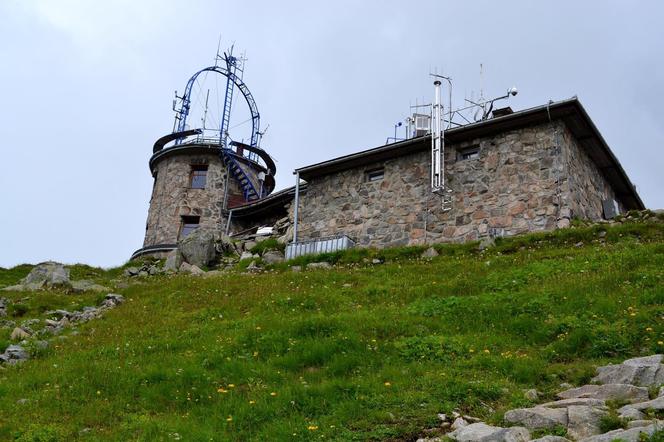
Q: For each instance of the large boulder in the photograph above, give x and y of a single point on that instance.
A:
(273, 257)
(655, 404)
(481, 432)
(583, 421)
(631, 435)
(198, 248)
(607, 392)
(647, 371)
(45, 275)
(537, 417)
(173, 261)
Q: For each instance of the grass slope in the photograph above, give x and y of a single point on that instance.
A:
(360, 352)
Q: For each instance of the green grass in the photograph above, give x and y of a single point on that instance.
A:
(360, 352)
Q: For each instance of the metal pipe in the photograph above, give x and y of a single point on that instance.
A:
(297, 205)
(228, 221)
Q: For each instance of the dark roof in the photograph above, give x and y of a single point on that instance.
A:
(570, 111)
(277, 200)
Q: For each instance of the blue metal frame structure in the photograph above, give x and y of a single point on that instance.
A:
(233, 80)
(230, 71)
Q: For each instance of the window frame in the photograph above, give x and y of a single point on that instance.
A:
(186, 221)
(369, 175)
(468, 153)
(195, 172)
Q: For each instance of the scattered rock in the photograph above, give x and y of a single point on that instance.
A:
(112, 300)
(319, 265)
(46, 275)
(429, 253)
(18, 334)
(252, 267)
(630, 413)
(487, 433)
(531, 394)
(15, 353)
(655, 404)
(173, 261)
(537, 417)
(607, 392)
(486, 243)
(84, 285)
(296, 269)
(564, 403)
(132, 271)
(376, 261)
(459, 422)
(273, 257)
(643, 372)
(583, 421)
(645, 423)
(630, 435)
(246, 255)
(185, 267)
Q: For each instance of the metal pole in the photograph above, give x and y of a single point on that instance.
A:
(228, 222)
(297, 204)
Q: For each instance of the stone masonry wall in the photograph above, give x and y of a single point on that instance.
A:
(587, 186)
(515, 186)
(172, 196)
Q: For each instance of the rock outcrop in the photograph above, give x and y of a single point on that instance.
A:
(46, 275)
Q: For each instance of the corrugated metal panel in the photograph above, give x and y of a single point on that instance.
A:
(320, 245)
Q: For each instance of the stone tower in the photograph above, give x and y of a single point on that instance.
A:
(199, 174)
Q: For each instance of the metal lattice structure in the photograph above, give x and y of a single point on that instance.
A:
(232, 68)
(233, 71)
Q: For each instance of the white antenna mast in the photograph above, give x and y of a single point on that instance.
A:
(438, 144)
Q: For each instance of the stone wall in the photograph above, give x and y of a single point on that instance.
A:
(587, 186)
(516, 185)
(173, 197)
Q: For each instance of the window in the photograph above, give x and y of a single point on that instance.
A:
(189, 224)
(374, 175)
(469, 153)
(198, 177)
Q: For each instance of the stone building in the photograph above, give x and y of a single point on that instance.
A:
(516, 172)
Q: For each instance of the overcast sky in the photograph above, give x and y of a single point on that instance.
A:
(87, 89)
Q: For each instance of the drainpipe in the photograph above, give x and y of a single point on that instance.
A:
(297, 205)
(228, 221)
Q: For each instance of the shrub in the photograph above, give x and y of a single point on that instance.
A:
(18, 310)
(611, 422)
(267, 244)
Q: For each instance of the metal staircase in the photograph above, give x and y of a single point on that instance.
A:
(248, 188)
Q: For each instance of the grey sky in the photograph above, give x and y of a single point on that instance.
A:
(87, 89)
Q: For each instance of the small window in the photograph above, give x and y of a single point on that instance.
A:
(470, 153)
(374, 175)
(189, 224)
(198, 177)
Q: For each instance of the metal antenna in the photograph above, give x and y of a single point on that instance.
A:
(204, 119)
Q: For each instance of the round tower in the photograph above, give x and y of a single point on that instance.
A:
(201, 173)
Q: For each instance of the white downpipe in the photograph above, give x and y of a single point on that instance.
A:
(437, 142)
(297, 205)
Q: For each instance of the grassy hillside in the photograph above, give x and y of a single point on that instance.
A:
(361, 352)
